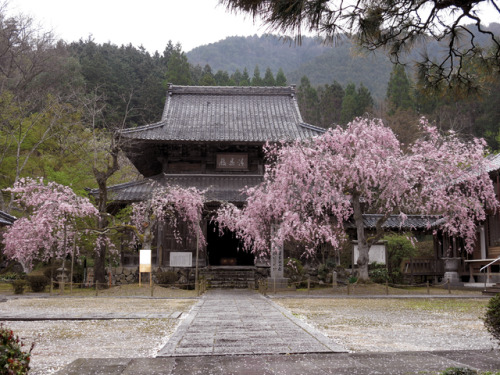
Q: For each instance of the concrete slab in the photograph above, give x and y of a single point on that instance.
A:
(144, 366)
(101, 366)
(486, 360)
(318, 364)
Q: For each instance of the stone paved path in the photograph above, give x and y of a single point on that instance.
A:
(230, 322)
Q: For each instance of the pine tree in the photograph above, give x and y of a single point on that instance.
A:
(207, 79)
(398, 90)
(364, 100)
(256, 79)
(178, 69)
(245, 79)
(281, 78)
(269, 78)
(308, 100)
(222, 78)
(349, 105)
(237, 77)
(330, 105)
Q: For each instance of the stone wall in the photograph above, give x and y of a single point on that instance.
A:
(130, 275)
(124, 275)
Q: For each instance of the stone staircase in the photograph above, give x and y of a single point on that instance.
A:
(492, 290)
(229, 276)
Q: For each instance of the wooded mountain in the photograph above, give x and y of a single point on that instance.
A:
(322, 63)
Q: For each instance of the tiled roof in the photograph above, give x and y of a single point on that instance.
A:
(6, 219)
(227, 114)
(394, 222)
(219, 187)
(493, 163)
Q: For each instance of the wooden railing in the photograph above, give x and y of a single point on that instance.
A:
(422, 267)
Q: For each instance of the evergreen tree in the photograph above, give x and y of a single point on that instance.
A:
(364, 100)
(281, 78)
(129, 78)
(398, 90)
(256, 79)
(222, 78)
(207, 79)
(269, 78)
(237, 77)
(196, 74)
(330, 105)
(245, 79)
(167, 52)
(349, 104)
(307, 98)
(178, 69)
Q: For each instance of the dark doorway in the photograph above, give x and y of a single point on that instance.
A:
(225, 249)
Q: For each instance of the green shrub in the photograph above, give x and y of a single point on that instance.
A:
(492, 317)
(38, 282)
(9, 276)
(13, 361)
(50, 269)
(399, 247)
(353, 279)
(379, 275)
(459, 371)
(331, 263)
(322, 271)
(294, 269)
(166, 277)
(19, 286)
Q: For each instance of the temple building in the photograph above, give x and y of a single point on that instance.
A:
(210, 138)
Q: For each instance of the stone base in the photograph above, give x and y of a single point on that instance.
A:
(280, 283)
(452, 277)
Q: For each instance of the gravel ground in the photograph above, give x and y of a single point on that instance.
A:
(360, 325)
(58, 343)
(393, 325)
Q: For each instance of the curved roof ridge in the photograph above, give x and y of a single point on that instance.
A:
(313, 127)
(143, 127)
(231, 90)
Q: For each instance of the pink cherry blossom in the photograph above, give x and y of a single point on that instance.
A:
(172, 205)
(311, 188)
(50, 228)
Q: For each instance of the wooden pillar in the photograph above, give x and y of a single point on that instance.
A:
(159, 243)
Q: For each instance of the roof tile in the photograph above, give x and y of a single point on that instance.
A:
(238, 114)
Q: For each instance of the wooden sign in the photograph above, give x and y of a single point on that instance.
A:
(145, 260)
(237, 162)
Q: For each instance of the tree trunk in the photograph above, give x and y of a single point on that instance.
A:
(102, 223)
(100, 264)
(363, 247)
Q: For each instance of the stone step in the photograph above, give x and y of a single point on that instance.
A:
(230, 277)
(492, 290)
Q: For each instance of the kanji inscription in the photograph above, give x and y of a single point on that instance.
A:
(232, 161)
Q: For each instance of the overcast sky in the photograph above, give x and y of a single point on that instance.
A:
(151, 23)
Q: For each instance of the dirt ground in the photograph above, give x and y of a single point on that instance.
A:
(58, 343)
(359, 324)
(392, 325)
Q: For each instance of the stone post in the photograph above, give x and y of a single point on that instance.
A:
(277, 279)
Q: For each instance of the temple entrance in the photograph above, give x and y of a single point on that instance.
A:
(226, 249)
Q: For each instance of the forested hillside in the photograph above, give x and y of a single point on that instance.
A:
(321, 63)
(271, 51)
